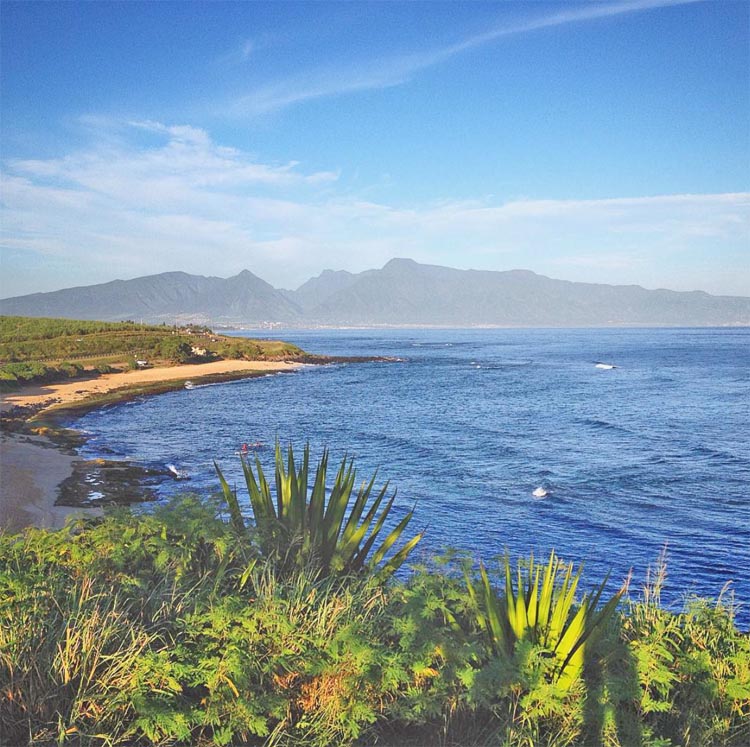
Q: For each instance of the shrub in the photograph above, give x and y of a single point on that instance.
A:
(176, 350)
(301, 526)
(692, 669)
(546, 615)
(170, 628)
(70, 370)
(8, 381)
(26, 371)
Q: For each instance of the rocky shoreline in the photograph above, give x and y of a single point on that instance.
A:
(42, 479)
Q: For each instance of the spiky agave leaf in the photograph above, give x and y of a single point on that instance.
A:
(298, 496)
(595, 622)
(231, 500)
(520, 619)
(546, 614)
(338, 500)
(353, 526)
(355, 533)
(260, 497)
(533, 600)
(545, 597)
(316, 506)
(336, 534)
(375, 533)
(400, 557)
(491, 613)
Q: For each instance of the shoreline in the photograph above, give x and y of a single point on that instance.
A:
(33, 466)
(32, 469)
(69, 394)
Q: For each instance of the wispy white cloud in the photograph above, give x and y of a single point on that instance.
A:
(246, 49)
(124, 208)
(170, 173)
(590, 11)
(241, 52)
(400, 69)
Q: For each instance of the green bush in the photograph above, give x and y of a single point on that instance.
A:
(71, 370)
(26, 371)
(693, 669)
(170, 628)
(175, 349)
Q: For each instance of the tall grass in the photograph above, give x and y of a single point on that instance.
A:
(693, 667)
(67, 654)
(174, 628)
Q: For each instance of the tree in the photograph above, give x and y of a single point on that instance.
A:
(176, 350)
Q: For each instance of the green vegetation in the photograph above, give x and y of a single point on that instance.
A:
(34, 371)
(168, 629)
(184, 626)
(541, 615)
(45, 350)
(329, 535)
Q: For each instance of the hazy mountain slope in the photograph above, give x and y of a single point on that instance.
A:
(401, 293)
(164, 297)
(405, 292)
(319, 289)
(245, 297)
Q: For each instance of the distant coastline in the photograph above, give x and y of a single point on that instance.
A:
(279, 327)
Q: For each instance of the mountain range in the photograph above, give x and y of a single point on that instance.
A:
(402, 293)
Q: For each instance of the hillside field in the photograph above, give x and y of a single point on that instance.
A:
(34, 350)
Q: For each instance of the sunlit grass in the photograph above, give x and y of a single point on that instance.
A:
(176, 628)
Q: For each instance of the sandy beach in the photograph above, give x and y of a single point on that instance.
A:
(75, 391)
(32, 467)
(31, 470)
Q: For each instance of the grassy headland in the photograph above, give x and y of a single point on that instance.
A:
(52, 370)
(105, 362)
(55, 369)
(38, 350)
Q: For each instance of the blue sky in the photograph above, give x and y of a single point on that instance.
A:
(594, 141)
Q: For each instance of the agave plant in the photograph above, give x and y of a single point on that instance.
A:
(302, 525)
(541, 609)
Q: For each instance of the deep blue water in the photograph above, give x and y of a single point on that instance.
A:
(653, 452)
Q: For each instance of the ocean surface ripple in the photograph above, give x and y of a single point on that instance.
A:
(651, 453)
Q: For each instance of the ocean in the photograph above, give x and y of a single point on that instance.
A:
(652, 453)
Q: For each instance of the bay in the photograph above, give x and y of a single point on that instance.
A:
(651, 453)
